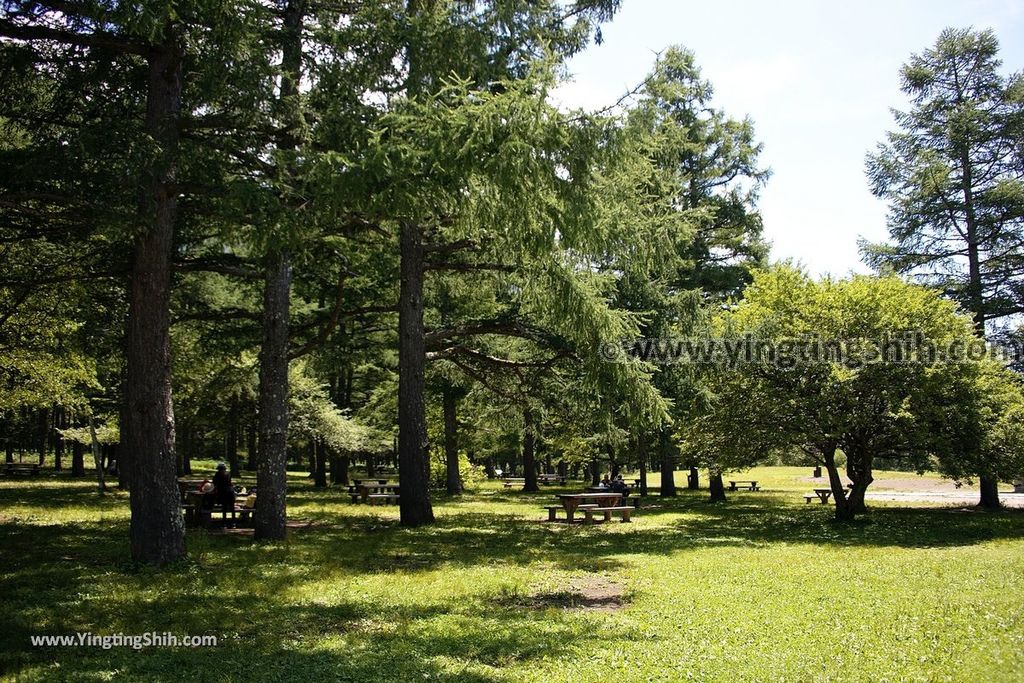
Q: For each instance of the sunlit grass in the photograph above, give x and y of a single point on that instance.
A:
(761, 588)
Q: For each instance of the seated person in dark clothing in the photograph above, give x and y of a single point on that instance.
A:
(223, 493)
(619, 486)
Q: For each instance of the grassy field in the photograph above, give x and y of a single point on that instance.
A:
(763, 588)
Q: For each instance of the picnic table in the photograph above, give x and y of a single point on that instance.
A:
(570, 502)
(377, 490)
(196, 513)
(31, 469)
(514, 481)
(823, 494)
(550, 479)
(749, 485)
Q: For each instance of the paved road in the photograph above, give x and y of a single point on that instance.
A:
(1015, 500)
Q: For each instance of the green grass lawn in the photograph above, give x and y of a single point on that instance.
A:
(761, 588)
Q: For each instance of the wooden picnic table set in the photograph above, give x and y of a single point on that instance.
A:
(374, 492)
(822, 494)
(30, 469)
(592, 504)
(198, 513)
(749, 485)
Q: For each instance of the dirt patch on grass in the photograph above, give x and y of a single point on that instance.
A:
(592, 594)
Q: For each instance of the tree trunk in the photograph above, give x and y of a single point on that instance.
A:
(371, 466)
(453, 482)
(59, 422)
(97, 458)
(123, 456)
(989, 493)
(844, 512)
(413, 465)
(595, 472)
(641, 443)
(77, 459)
(9, 453)
(250, 449)
(693, 481)
(668, 465)
(157, 530)
(44, 432)
(186, 457)
(716, 486)
(989, 486)
(232, 439)
(529, 452)
(339, 469)
(271, 516)
(320, 460)
(859, 462)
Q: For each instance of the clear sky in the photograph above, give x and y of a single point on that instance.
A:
(818, 78)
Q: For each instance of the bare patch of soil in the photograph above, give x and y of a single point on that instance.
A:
(592, 593)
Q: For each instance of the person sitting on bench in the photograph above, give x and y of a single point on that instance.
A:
(618, 485)
(222, 493)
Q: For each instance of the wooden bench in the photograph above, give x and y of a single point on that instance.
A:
(553, 510)
(822, 494)
(551, 479)
(383, 498)
(509, 483)
(624, 510)
(205, 516)
(746, 485)
(21, 468)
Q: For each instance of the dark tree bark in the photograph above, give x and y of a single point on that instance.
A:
(77, 459)
(320, 461)
(9, 452)
(186, 457)
(123, 456)
(716, 486)
(453, 482)
(989, 492)
(413, 466)
(844, 512)
(613, 463)
(595, 473)
(59, 422)
(181, 448)
(232, 439)
(270, 518)
(44, 433)
(668, 464)
(371, 466)
(859, 466)
(529, 452)
(693, 481)
(641, 446)
(339, 469)
(157, 530)
(250, 449)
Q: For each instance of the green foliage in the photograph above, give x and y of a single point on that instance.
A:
(869, 409)
(952, 176)
(471, 475)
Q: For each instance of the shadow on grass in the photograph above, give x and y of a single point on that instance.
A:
(64, 578)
